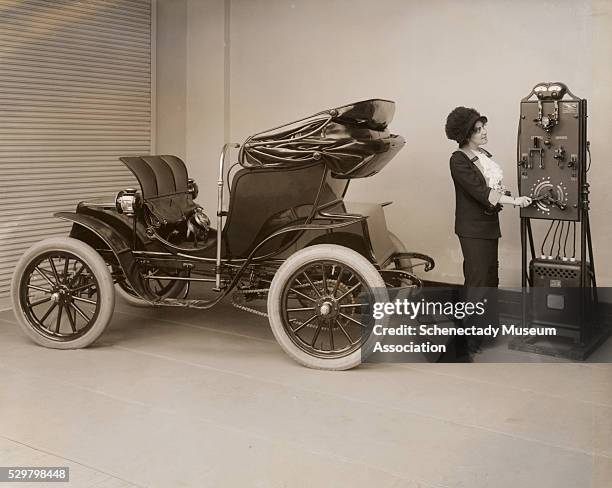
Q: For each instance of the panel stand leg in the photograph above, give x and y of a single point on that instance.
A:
(524, 272)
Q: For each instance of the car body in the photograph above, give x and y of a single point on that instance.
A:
(287, 238)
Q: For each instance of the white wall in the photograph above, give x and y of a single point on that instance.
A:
(171, 76)
(293, 58)
(205, 91)
(190, 88)
(600, 132)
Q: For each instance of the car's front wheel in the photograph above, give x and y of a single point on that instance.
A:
(320, 305)
(62, 293)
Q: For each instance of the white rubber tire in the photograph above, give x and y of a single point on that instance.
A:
(302, 257)
(105, 292)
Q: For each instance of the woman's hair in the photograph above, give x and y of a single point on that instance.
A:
(460, 124)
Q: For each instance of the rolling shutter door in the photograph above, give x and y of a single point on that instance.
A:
(75, 94)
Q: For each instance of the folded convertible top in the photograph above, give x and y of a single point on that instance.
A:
(352, 140)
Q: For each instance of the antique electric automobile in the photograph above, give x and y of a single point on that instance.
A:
(287, 237)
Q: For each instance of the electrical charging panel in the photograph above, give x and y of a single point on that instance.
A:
(556, 292)
(552, 152)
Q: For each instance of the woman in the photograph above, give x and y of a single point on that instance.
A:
(479, 196)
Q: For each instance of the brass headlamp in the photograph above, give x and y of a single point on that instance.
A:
(127, 201)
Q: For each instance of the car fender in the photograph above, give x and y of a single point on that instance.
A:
(353, 240)
(116, 242)
(369, 237)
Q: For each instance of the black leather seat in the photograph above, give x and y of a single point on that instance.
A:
(164, 184)
(264, 200)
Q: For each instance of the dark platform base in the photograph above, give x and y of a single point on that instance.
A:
(562, 347)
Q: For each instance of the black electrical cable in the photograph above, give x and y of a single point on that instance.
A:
(565, 243)
(552, 245)
(558, 255)
(518, 142)
(546, 237)
(589, 153)
(574, 248)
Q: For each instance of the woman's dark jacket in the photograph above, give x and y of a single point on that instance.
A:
(475, 215)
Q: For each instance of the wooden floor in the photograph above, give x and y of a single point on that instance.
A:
(185, 398)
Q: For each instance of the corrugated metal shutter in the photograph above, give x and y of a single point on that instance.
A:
(75, 94)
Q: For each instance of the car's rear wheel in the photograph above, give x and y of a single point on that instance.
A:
(62, 293)
(340, 287)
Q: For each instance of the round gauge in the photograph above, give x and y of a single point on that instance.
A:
(545, 121)
(540, 91)
(544, 192)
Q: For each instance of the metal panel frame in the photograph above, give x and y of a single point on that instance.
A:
(77, 90)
